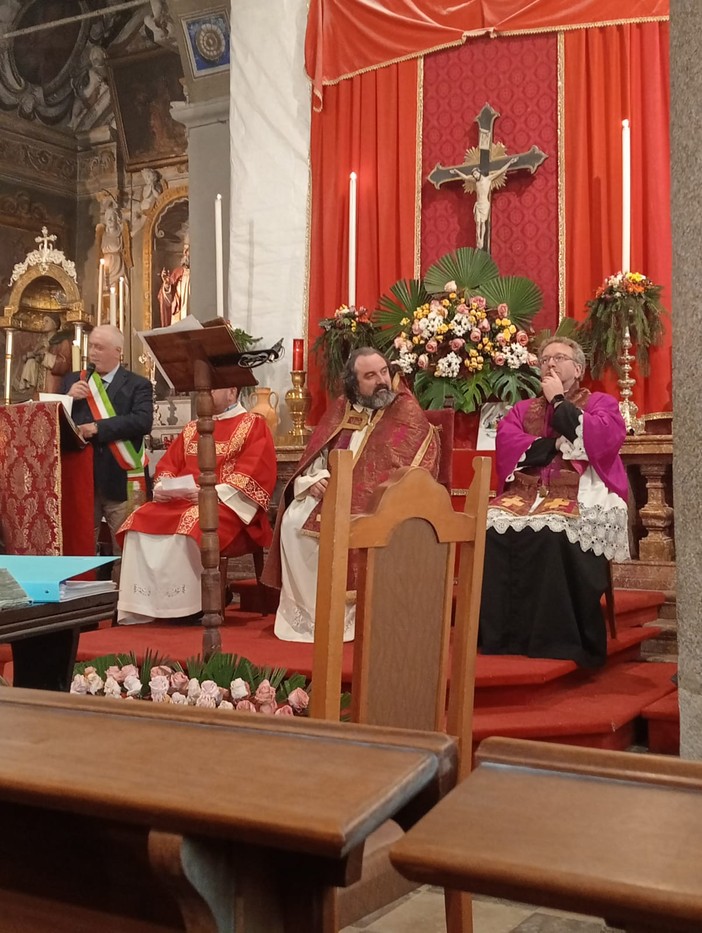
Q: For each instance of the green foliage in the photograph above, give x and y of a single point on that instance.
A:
(522, 296)
(511, 385)
(404, 297)
(606, 323)
(469, 268)
(348, 330)
(467, 394)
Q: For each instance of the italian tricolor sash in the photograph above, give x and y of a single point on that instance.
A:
(124, 452)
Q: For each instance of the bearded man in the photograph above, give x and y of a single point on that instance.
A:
(385, 429)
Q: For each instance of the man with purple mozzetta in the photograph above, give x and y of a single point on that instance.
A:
(560, 515)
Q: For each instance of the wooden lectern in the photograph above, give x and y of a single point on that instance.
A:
(201, 360)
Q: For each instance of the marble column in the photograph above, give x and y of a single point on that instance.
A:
(686, 159)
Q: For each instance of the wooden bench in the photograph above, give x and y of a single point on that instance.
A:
(248, 820)
(610, 834)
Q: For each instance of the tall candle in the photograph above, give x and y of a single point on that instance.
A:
(9, 334)
(352, 240)
(219, 270)
(121, 303)
(298, 360)
(626, 196)
(101, 275)
(113, 306)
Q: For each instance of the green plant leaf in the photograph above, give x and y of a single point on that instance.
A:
(469, 268)
(522, 296)
(511, 385)
(404, 298)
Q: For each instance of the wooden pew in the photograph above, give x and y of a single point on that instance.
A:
(248, 820)
(610, 834)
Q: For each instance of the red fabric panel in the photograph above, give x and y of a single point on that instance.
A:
(77, 505)
(368, 126)
(597, 98)
(345, 37)
(518, 76)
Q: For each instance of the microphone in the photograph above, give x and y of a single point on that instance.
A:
(87, 372)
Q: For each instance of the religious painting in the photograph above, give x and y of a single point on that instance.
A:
(143, 86)
(207, 41)
(170, 264)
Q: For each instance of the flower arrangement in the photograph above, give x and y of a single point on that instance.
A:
(224, 682)
(625, 302)
(347, 330)
(469, 338)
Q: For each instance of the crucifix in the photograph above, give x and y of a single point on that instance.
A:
(484, 169)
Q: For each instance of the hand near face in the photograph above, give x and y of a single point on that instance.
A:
(79, 389)
(551, 386)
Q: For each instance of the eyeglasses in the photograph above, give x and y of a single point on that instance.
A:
(557, 358)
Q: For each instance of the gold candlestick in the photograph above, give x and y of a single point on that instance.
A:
(298, 399)
(628, 409)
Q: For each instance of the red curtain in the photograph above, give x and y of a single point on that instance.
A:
(598, 97)
(368, 126)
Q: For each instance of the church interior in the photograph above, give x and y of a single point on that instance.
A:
(306, 179)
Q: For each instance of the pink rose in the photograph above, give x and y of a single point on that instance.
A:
(484, 325)
(161, 670)
(246, 705)
(299, 699)
(478, 302)
(129, 670)
(462, 308)
(398, 343)
(502, 309)
(436, 306)
(284, 710)
(533, 359)
(179, 682)
(499, 359)
(501, 339)
(432, 346)
(268, 709)
(115, 672)
(522, 338)
(475, 335)
(422, 361)
(265, 693)
(457, 343)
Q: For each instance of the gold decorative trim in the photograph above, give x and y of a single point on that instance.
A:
(165, 200)
(562, 244)
(419, 456)
(375, 421)
(575, 26)
(418, 171)
(75, 311)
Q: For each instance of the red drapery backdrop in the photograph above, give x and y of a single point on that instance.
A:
(597, 98)
(368, 126)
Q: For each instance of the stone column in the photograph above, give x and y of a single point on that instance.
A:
(686, 163)
(207, 123)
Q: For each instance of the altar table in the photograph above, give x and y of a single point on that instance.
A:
(270, 812)
(44, 638)
(609, 834)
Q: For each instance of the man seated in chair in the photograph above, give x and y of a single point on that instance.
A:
(161, 564)
(381, 422)
(560, 515)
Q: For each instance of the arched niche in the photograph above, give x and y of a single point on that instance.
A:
(164, 239)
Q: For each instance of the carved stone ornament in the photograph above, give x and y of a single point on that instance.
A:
(43, 256)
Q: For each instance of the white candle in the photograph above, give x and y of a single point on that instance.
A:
(101, 274)
(113, 306)
(219, 270)
(121, 303)
(626, 196)
(352, 240)
(75, 347)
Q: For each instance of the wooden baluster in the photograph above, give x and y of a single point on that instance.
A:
(656, 515)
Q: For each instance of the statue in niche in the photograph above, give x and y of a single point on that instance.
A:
(153, 188)
(174, 292)
(114, 244)
(46, 362)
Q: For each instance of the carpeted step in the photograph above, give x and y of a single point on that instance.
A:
(597, 709)
(663, 721)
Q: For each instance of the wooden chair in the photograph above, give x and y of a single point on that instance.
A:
(443, 420)
(407, 547)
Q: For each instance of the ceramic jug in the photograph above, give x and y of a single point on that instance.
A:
(264, 401)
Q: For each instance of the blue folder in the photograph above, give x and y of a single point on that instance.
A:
(41, 577)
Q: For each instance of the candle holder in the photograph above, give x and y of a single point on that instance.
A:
(629, 410)
(298, 399)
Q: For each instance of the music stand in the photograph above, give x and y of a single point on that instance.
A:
(200, 360)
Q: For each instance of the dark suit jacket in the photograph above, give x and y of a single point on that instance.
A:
(132, 400)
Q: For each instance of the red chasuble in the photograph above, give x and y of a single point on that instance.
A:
(245, 460)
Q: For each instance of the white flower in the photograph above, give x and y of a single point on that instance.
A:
(95, 683)
(450, 286)
(132, 685)
(225, 704)
(112, 688)
(406, 362)
(239, 689)
(208, 688)
(207, 701)
(160, 697)
(79, 684)
(159, 687)
(193, 689)
(448, 365)
(179, 699)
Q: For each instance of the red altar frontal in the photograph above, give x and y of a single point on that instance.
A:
(46, 482)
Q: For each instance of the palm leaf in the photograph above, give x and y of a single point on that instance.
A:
(404, 298)
(522, 296)
(468, 268)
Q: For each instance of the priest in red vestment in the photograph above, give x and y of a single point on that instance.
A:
(161, 563)
(384, 426)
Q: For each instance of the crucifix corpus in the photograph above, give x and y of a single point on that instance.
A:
(484, 169)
